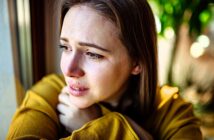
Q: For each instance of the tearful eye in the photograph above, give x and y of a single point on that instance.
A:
(65, 48)
(94, 55)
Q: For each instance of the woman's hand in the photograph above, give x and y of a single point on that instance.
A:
(73, 118)
(142, 134)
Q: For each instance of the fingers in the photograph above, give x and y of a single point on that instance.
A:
(64, 99)
(65, 89)
(65, 122)
(63, 109)
(62, 119)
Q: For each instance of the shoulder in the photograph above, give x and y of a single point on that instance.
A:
(166, 94)
(174, 117)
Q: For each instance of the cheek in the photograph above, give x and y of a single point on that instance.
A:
(98, 74)
(108, 78)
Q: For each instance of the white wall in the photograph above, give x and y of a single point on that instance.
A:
(7, 76)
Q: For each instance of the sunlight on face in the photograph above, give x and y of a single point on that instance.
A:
(94, 62)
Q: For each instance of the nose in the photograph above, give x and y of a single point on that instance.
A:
(73, 66)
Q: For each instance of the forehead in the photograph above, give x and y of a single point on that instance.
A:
(84, 24)
(84, 18)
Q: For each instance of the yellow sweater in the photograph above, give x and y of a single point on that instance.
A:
(37, 118)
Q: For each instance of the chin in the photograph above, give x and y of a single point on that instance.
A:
(82, 105)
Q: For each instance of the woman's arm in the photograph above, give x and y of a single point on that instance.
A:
(36, 117)
(111, 126)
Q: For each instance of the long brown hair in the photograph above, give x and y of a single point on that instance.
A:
(135, 20)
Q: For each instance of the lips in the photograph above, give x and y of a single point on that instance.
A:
(77, 90)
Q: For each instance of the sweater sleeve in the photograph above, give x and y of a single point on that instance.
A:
(175, 119)
(111, 126)
(36, 118)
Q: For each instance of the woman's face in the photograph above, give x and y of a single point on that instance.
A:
(94, 62)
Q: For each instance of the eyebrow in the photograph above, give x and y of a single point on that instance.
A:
(87, 44)
(93, 46)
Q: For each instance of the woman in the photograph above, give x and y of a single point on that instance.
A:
(109, 89)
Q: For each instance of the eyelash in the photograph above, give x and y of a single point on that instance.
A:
(65, 48)
(94, 55)
(90, 54)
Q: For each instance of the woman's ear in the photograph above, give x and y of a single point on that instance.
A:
(136, 69)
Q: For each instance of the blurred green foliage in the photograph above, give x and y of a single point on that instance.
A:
(173, 13)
